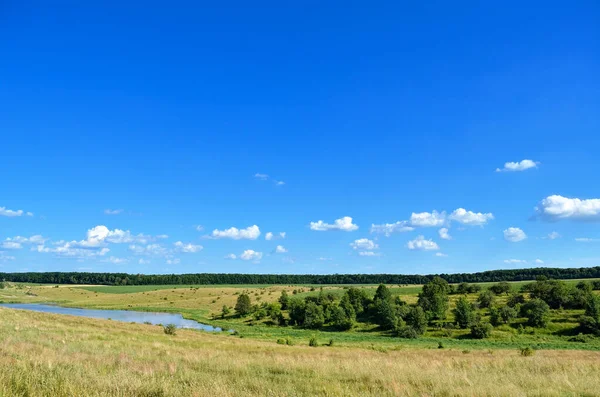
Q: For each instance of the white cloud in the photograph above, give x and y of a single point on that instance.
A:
(71, 250)
(10, 213)
(269, 236)
(514, 261)
(514, 234)
(539, 261)
(272, 236)
(586, 240)
(518, 166)
(364, 244)
(199, 228)
(444, 235)
(143, 261)
(428, 219)
(11, 245)
(388, 228)
(262, 177)
(345, 224)
(323, 258)
(553, 235)
(5, 258)
(280, 249)
(249, 233)
(421, 244)
(368, 253)
(230, 256)
(116, 261)
(554, 208)
(108, 211)
(18, 241)
(251, 255)
(150, 249)
(174, 261)
(279, 183)
(470, 218)
(187, 247)
(440, 254)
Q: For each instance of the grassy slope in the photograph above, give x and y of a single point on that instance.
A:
(45, 354)
(199, 303)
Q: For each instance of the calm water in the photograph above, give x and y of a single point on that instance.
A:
(117, 315)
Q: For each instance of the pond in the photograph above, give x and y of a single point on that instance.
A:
(117, 315)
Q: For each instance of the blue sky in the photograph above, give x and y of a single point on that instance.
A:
(134, 137)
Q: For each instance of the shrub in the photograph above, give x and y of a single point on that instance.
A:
(284, 300)
(440, 345)
(330, 344)
(312, 342)
(289, 341)
(500, 288)
(486, 299)
(481, 330)
(170, 329)
(537, 312)
(581, 338)
(515, 299)
(281, 341)
(527, 351)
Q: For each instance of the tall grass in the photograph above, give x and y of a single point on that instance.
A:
(51, 355)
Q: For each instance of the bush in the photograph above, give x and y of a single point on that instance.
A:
(486, 299)
(289, 341)
(330, 344)
(440, 345)
(537, 312)
(170, 329)
(281, 341)
(527, 352)
(481, 330)
(500, 288)
(581, 338)
(312, 342)
(515, 299)
(407, 332)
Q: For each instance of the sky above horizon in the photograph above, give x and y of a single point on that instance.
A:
(299, 138)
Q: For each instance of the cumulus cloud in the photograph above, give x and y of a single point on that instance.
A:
(555, 208)
(249, 233)
(364, 244)
(518, 166)
(345, 224)
(187, 247)
(553, 236)
(428, 219)
(444, 235)
(271, 236)
(421, 244)
(11, 213)
(280, 249)
(108, 211)
(470, 218)
(368, 253)
(514, 234)
(69, 250)
(388, 228)
(251, 255)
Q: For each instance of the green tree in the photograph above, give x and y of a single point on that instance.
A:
(297, 308)
(243, 307)
(590, 321)
(486, 299)
(313, 316)
(434, 298)
(537, 312)
(358, 298)
(501, 288)
(385, 313)
(284, 300)
(382, 293)
(225, 311)
(464, 313)
(481, 330)
(417, 320)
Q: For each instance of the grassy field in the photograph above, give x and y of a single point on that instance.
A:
(204, 303)
(45, 354)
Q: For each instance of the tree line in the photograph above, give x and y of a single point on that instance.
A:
(288, 279)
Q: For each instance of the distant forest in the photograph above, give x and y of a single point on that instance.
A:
(288, 279)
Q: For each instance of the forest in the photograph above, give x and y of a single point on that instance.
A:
(288, 279)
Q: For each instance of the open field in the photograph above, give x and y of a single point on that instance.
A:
(204, 304)
(45, 354)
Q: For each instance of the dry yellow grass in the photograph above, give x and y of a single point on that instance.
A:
(44, 354)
